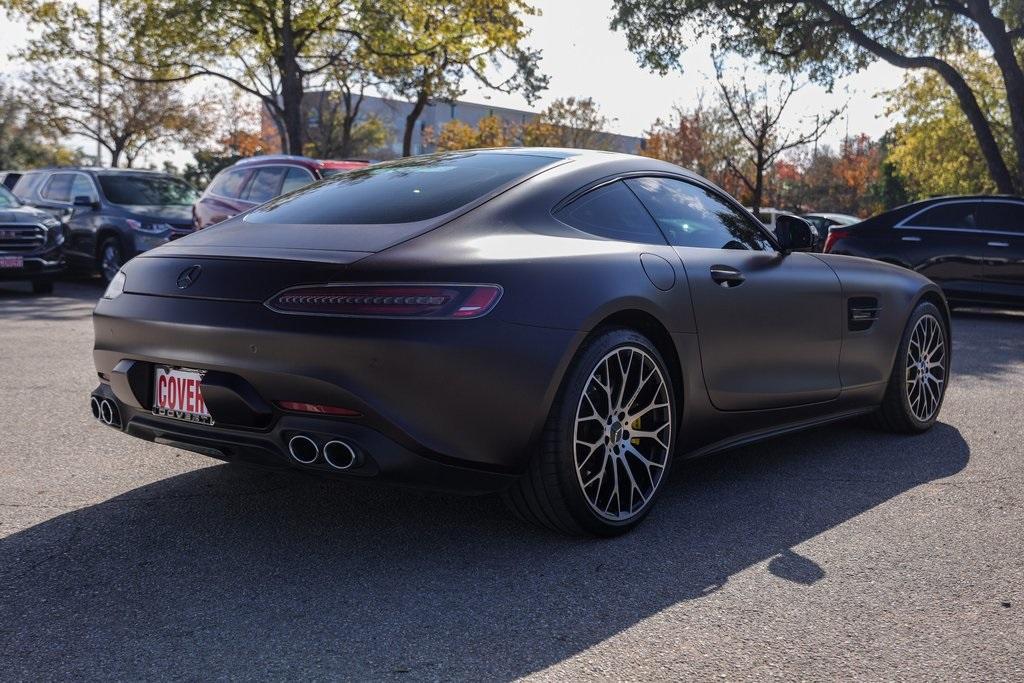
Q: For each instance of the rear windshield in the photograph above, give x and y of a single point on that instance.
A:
(146, 190)
(402, 191)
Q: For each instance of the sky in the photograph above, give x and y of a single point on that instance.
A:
(583, 57)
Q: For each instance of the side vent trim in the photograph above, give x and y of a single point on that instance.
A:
(863, 312)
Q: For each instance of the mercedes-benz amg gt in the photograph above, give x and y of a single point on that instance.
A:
(554, 325)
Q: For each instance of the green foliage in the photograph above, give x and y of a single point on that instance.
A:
(830, 38)
(24, 141)
(425, 50)
(82, 97)
(570, 122)
(933, 149)
(369, 138)
(490, 131)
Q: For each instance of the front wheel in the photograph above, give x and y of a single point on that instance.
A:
(919, 375)
(110, 258)
(608, 442)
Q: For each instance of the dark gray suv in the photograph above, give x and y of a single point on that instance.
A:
(111, 214)
(30, 244)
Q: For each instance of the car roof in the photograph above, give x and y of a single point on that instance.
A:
(960, 198)
(99, 170)
(307, 162)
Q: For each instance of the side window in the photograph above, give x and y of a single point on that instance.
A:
(951, 215)
(691, 216)
(614, 212)
(58, 188)
(296, 178)
(1002, 216)
(229, 183)
(265, 184)
(82, 186)
(26, 186)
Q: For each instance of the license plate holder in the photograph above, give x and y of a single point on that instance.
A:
(177, 394)
(12, 261)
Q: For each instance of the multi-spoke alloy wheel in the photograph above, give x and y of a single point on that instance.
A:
(926, 367)
(623, 433)
(607, 442)
(919, 375)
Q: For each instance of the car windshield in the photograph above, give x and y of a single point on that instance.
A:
(402, 191)
(7, 200)
(146, 190)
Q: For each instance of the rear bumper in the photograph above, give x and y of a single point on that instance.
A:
(435, 396)
(378, 457)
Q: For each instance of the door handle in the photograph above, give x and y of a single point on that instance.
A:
(911, 239)
(998, 244)
(727, 276)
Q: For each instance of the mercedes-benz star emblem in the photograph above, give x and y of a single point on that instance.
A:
(189, 276)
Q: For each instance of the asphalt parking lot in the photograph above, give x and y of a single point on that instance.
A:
(837, 553)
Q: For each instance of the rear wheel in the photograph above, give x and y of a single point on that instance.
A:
(110, 258)
(919, 375)
(607, 444)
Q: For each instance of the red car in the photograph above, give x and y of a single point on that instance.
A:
(251, 182)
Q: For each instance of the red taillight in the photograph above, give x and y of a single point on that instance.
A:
(388, 301)
(299, 407)
(834, 235)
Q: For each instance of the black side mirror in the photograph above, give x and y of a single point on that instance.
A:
(85, 200)
(793, 233)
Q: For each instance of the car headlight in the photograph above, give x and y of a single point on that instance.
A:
(116, 286)
(148, 228)
(54, 231)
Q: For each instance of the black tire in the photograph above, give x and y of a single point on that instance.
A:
(897, 414)
(116, 252)
(551, 493)
(42, 286)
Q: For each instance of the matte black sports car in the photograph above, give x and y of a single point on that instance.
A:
(973, 247)
(554, 325)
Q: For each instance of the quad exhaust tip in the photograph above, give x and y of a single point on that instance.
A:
(105, 411)
(339, 455)
(303, 449)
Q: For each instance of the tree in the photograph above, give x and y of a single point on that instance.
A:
(236, 137)
(25, 142)
(932, 148)
(833, 37)
(268, 49)
(570, 122)
(338, 131)
(447, 41)
(843, 182)
(125, 117)
(700, 139)
(490, 131)
(756, 116)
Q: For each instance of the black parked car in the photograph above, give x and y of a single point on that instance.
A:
(553, 324)
(111, 214)
(972, 246)
(30, 244)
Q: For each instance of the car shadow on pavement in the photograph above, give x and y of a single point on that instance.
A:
(229, 572)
